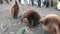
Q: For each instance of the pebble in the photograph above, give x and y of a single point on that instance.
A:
(12, 33)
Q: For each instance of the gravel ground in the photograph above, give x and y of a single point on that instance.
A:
(9, 25)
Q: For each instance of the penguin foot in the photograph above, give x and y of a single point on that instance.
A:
(15, 17)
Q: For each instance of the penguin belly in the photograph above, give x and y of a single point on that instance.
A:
(16, 12)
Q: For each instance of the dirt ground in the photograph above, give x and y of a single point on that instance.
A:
(9, 25)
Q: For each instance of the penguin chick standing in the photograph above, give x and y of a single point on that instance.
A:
(10, 0)
(7, 1)
(15, 10)
(1, 1)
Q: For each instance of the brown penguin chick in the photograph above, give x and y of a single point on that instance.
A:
(31, 17)
(51, 23)
(51, 3)
(7, 1)
(10, 0)
(1, 1)
(15, 9)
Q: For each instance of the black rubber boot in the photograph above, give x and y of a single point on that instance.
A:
(32, 2)
(47, 4)
(39, 3)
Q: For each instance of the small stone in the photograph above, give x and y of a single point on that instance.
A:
(4, 29)
(8, 20)
(19, 23)
(1, 27)
(11, 32)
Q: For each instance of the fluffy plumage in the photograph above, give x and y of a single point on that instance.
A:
(7, 1)
(1, 1)
(31, 17)
(52, 23)
(15, 9)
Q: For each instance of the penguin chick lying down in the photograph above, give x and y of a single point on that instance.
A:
(31, 17)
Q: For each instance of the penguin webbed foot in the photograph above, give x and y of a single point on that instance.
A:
(15, 17)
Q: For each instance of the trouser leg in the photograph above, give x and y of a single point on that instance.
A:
(32, 2)
(47, 3)
(39, 3)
